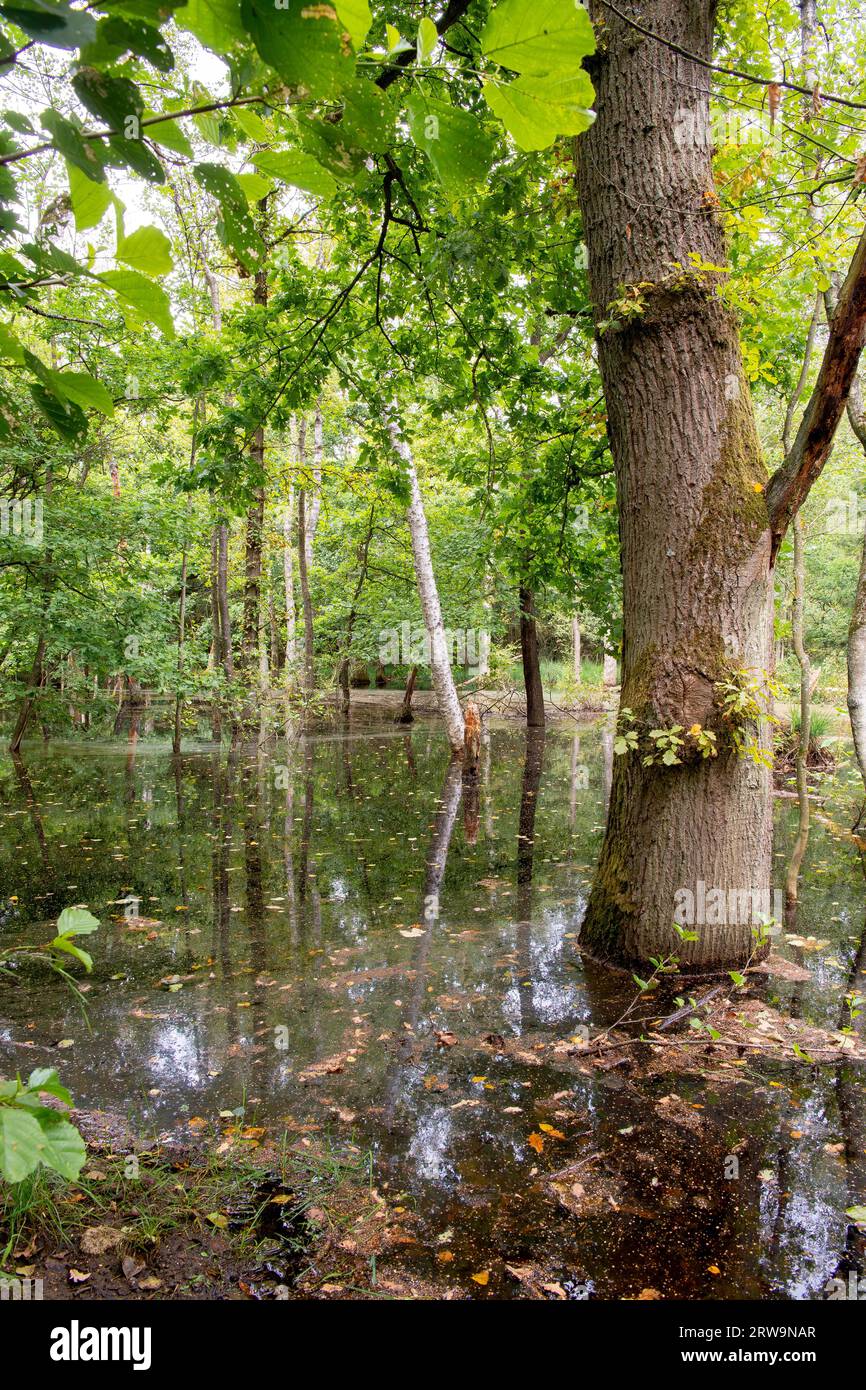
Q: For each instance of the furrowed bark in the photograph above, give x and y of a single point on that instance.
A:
(696, 544)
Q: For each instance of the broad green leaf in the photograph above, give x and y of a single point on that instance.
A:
(216, 23)
(90, 200)
(76, 921)
(237, 228)
(141, 301)
(63, 415)
(21, 1143)
(368, 117)
(304, 43)
(10, 348)
(148, 249)
(46, 1079)
(62, 1147)
(55, 24)
(170, 134)
(118, 34)
(254, 185)
(428, 37)
(252, 125)
(62, 943)
(139, 156)
(535, 110)
(116, 100)
(547, 37)
(86, 155)
(90, 394)
(457, 147)
(297, 168)
(356, 18)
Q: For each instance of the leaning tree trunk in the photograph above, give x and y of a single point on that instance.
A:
(440, 666)
(696, 545)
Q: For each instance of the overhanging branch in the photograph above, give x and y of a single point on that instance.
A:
(789, 486)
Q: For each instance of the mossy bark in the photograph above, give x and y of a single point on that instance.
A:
(696, 545)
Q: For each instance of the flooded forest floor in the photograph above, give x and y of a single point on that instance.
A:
(339, 1040)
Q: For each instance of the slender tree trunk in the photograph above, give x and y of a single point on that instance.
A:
(531, 667)
(690, 482)
(575, 649)
(34, 684)
(226, 648)
(250, 636)
(609, 670)
(181, 635)
(440, 666)
(309, 666)
(315, 501)
(857, 668)
(289, 583)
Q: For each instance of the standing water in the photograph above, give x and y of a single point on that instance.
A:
(333, 936)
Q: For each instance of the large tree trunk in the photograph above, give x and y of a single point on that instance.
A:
(529, 653)
(690, 482)
(440, 665)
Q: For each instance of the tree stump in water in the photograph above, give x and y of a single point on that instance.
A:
(404, 715)
(471, 739)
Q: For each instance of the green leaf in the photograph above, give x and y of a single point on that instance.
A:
(10, 348)
(304, 43)
(428, 37)
(535, 110)
(252, 125)
(90, 200)
(64, 416)
(254, 185)
(355, 17)
(368, 117)
(237, 228)
(547, 37)
(141, 300)
(453, 141)
(52, 23)
(147, 249)
(46, 1079)
(298, 168)
(169, 133)
(66, 136)
(62, 943)
(90, 394)
(216, 23)
(857, 1214)
(116, 100)
(76, 921)
(21, 1143)
(62, 1147)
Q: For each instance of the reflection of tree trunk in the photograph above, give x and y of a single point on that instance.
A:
(255, 909)
(851, 1099)
(531, 668)
(22, 776)
(437, 859)
(575, 763)
(307, 825)
(532, 767)
(181, 634)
